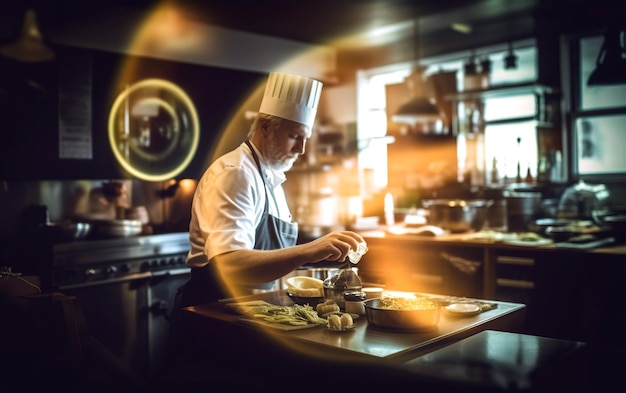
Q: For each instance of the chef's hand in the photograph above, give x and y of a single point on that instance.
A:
(334, 246)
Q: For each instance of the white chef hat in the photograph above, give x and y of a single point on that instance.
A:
(291, 97)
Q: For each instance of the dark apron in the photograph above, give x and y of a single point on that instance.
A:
(270, 234)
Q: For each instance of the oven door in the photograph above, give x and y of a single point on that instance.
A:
(130, 316)
(115, 315)
(161, 294)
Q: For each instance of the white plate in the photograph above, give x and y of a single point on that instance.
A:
(465, 309)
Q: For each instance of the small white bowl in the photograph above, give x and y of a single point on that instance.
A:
(464, 309)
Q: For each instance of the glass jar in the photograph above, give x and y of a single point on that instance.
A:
(354, 302)
(346, 280)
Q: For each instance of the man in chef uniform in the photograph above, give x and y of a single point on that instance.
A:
(241, 231)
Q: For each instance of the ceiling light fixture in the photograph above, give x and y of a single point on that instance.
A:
(464, 28)
(419, 109)
(611, 61)
(29, 47)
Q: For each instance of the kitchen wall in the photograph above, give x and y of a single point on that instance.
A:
(33, 174)
(338, 107)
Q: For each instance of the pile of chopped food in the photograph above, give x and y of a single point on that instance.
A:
(297, 315)
(406, 303)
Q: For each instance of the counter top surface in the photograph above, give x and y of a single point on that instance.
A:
(366, 341)
(475, 239)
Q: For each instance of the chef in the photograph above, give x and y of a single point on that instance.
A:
(241, 230)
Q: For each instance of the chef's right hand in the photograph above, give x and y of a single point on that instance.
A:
(334, 246)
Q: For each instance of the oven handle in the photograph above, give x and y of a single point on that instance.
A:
(128, 277)
(172, 272)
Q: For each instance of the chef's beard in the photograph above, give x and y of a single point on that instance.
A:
(281, 164)
(276, 159)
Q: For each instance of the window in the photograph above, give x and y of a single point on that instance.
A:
(372, 125)
(506, 119)
(598, 116)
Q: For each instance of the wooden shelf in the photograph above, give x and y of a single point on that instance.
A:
(503, 91)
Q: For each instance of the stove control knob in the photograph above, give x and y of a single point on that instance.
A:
(112, 269)
(90, 272)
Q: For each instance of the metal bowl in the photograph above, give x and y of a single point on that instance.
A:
(312, 301)
(419, 319)
(458, 215)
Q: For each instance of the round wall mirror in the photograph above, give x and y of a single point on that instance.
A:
(153, 129)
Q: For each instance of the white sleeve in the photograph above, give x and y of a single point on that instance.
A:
(228, 210)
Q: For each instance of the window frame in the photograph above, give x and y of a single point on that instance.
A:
(576, 113)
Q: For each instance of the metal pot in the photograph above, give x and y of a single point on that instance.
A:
(522, 209)
(458, 215)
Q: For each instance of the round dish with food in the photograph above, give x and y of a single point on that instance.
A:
(397, 313)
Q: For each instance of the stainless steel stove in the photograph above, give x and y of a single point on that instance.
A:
(125, 289)
(88, 263)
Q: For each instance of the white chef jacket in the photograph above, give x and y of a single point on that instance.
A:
(228, 204)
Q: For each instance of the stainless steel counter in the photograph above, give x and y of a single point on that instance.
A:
(365, 342)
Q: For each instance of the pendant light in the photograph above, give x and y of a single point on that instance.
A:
(419, 109)
(611, 61)
(510, 60)
(29, 47)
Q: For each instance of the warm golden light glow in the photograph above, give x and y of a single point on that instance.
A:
(162, 31)
(399, 294)
(187, 185)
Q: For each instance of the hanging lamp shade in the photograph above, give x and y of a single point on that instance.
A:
(29, 47)
(419, 108)
(611, 61)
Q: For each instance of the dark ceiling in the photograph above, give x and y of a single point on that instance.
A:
(320, 21)
(445, 26)
(343, 24)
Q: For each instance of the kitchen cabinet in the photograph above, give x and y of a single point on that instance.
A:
(415, 266)
(515, 275)
(570, 293)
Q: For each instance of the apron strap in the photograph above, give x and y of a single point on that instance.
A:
(258, 165)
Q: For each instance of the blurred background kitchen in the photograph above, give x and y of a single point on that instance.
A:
(111, 110)
(507, 86)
